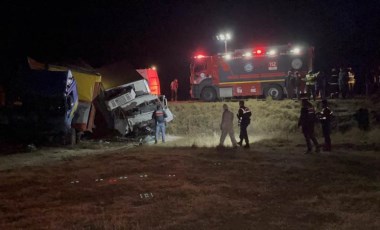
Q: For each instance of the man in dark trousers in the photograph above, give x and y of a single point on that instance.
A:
(290, 84)
(343, 82)
(325, 119)
(159, 116)
(244, 119)
(306, 121)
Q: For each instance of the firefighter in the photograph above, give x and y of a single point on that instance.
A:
(343, 82)
(310, 84)
(306, 121)
(290, 84)
(226, 126)
(325, 118)
(159, 116)
(244, 119)
(174, 89)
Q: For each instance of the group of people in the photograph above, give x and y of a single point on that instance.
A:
(307, 119)
(226, 126)
(320, 84)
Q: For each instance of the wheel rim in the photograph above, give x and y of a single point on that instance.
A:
(273, 92)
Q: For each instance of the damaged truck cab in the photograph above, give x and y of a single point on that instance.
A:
(132, 106)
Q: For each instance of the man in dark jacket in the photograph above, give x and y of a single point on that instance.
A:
(325, 118)
(343, 82)
(159, 116)
(306, 121)
(290, 84)
(244, 119)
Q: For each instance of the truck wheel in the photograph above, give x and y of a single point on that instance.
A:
(208, 94)
(274, 91)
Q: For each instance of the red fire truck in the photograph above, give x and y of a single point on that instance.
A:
(247, 72)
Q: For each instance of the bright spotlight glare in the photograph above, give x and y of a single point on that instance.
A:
(272, 52)
(228, 36)
(154, 68)
(247, 54)
(296, 50)
(227, 56)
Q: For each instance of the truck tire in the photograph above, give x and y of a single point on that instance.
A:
(208, 94)
(274, 91)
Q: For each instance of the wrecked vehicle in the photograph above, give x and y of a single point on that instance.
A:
(132, 106)
(41, 105)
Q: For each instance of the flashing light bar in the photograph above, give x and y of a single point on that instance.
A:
(200, 56)
(296, 50)
(247, 54)
(272, 52)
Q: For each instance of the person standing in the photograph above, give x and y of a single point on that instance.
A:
(333, 86)
(244, 119)
(290, 84)
(306, 121)
(226, 126)
(310, 84)
(174, 89)
(343, 82)
(351, 82)
(321, 83)
(325, 119)
(159, 116)
(298, 83)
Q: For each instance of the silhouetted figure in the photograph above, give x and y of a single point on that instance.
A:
(290, 84)
(333, 86)
(244, 119)
(325, 118)
(298, 82)
(174, 89)
(321, 84)
(343, 82)
(306, 121)
(362, 117)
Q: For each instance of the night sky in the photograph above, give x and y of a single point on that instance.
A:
(168, 33)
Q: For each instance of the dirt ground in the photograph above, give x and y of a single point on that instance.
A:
(273, 185)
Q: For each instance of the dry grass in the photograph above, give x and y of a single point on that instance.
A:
(264, 188)
(270, 186)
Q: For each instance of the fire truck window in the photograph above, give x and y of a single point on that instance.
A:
(199, 67)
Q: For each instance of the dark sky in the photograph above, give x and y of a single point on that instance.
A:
(168, 33)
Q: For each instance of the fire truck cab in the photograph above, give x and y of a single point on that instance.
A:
(247, 72)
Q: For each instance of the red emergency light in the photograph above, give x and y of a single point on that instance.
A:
(258, 51)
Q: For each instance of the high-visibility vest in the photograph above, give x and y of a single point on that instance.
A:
(310, 79)
(351, 78)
